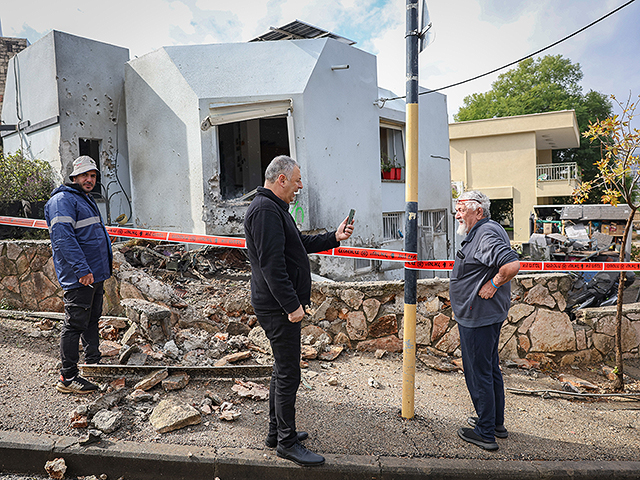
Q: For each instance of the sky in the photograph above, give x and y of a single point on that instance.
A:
(471, 37)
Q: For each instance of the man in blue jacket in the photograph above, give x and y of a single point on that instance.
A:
(280, 288)
(480, 292)
(82, 258)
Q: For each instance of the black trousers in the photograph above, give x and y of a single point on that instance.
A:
(82, 310)
(284, 337)
(483, 376)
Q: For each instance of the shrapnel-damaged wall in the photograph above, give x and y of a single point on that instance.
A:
(366, 316)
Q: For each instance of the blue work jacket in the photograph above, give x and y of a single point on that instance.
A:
(79, 239)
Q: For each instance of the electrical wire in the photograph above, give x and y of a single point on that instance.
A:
(384, 100)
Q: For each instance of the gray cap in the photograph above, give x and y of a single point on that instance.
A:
(82, 164)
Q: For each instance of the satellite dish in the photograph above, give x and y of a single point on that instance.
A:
(426, 36)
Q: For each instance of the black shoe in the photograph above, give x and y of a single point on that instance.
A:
(468, 435)
(272, 440)
(499, 432)
(300, 455)
(76, 385)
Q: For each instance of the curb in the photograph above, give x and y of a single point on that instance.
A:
(28, 452)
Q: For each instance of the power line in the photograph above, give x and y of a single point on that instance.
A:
(384, 100)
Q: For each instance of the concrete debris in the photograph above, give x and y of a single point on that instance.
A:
(227, 412)
(56, 468)
(107, 421)
(139, 395)
(232, 358)
(152, 380)
(251, 390)
(171, 414)
(175, 382)
(92, 436)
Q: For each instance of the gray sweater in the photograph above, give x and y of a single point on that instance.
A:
(485, 249)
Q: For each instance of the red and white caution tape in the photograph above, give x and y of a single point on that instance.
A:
(408, 258)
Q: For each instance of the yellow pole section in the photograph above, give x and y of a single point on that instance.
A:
(409, 361)
(411, 175)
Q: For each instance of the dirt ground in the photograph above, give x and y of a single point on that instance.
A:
(340, 409)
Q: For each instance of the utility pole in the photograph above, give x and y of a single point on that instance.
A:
(411, 211)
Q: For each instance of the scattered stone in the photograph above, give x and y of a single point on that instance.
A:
(110, 348)
(138, 359)
(92, 436)
(311, 334)
(105, 402)
(238, 328)
(107, 421)
(56, 468)
(227, 412)
(308, 352)
(251, 390)
(152, 380)
(436, 363)
(170, 414)
(213, 397)
(333, 381)
(458, 363)
(125, 353)
(116, 322)
(342, 339)
(154, 319)
(133, 335)
(379, 353)
(171, 349)
(78, 420)
(373, 383)
(205, 409)
(118, 383)
(577, 382)
(109, 333)
(331, 353)
(45, 324)
(175, 382)
(523, 363)
(139, 395)
(232, 358)
(149, 351)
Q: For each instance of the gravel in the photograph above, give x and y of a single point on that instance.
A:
(350, 417)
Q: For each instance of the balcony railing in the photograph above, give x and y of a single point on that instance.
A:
(553, 172)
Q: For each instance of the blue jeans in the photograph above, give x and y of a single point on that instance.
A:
(483, 376)
(82, 310)
(284, 337)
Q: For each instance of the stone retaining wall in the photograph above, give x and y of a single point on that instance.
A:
(363, 315)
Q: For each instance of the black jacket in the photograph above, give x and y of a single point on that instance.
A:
(280, 270)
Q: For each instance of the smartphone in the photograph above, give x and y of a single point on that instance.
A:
(350, 218)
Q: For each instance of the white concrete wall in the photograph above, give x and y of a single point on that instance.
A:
(164, 145)
(90, 78)
(31, 77)
(338, 146)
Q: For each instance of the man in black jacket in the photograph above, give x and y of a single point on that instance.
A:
(280, 288)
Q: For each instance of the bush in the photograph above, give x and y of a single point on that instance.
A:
(24, 179)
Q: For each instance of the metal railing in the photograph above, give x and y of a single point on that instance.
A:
(552, 172)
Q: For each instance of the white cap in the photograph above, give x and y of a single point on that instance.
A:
(83, 164)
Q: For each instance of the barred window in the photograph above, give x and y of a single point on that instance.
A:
(392, 225)
(437, 219)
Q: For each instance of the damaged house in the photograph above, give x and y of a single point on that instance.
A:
(204, 121)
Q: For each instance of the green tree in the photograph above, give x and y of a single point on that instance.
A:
(24, 179)
(618, 176)
(545, 84)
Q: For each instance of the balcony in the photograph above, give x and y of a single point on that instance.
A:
(556, 179)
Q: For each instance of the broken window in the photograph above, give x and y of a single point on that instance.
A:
(92, 149)
(246, 149)
(392, 148)
(250, 135)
